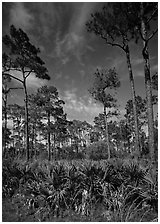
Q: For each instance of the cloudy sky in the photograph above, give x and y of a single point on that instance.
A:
(72, 54)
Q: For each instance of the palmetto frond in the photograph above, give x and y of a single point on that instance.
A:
(134, 174)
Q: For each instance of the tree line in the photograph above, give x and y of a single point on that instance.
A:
(43, 116)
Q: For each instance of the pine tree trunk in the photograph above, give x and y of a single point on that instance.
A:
(148, 86)
(54, 146)
(26, 121)
(19, 136)
(13, 131)
(35, 143)
(131, 79)
(49, 138)
(5, 123)
(33, 140)
(107, 135)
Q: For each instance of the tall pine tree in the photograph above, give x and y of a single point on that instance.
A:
(23, 59)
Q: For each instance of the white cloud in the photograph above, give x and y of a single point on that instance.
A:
(137, 61)
(50, 17)
(34, 82)
(65, 60)
(90, 48)
(154, 68)
(139, 73)
(73, 42)
(116, 62)
(70, 44)
(81, 15)
(84, 104)
(58, 75)
(20, 17)
(66, 77)
(82, 73)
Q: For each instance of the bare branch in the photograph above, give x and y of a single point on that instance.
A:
(15, 78)
(154, 12)
(29, 72)
(111, 43)
(153, 33)
(3, 98)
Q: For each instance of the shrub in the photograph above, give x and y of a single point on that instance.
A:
(49, 189)
(97, 151)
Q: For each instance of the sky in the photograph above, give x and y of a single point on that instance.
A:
(72, 55)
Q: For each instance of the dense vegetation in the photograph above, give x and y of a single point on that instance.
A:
(115, 190)
(55, 169)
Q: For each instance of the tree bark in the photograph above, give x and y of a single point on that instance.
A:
(49, 137)
(5, 122)
(26, 121)
(107, 135)
(33, 141)
(54, 146)
(148, 87)
(131, 79)
(19, 135)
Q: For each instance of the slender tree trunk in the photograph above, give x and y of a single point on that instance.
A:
(5, 122)
(19, 135)
(23, 143)
(26, 121)
(49, 137)
(13, 128)
(107, 135)
(35, 143)
(54, 145)
(148, 86)
(121, 137)
(5, 99)
(131, 79)
(33, 140)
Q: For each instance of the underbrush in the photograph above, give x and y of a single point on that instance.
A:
(82, 190)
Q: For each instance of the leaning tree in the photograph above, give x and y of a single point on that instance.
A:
(22, 62)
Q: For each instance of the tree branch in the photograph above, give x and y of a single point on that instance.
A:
(153, 33)
(108, 42)
(111, 43)
(149, 19)
(3, 99)
(29, 72)
(8, 90)
(15, 78)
